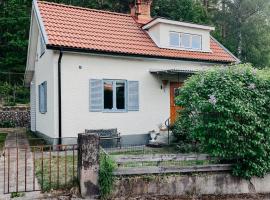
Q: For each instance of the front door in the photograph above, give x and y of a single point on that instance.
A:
(173, 93)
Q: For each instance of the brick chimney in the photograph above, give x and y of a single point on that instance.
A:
(141, 10)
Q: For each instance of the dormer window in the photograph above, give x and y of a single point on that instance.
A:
(185, 41)
(196, 42)
(174, 39)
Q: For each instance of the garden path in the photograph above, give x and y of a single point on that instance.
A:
(20, 171)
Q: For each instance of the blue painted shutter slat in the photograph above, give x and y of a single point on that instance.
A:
(45, 96)
(96, 95)
(39, 98)
(133, 95)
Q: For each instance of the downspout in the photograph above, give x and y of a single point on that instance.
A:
(59, 98)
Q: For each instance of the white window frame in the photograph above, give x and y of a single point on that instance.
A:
(194, 35)
(181, 46)
(190, 40)
(179, 38)
(114, 108)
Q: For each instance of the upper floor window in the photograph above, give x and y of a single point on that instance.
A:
(174, 39)
(196, 42)
(186, 41)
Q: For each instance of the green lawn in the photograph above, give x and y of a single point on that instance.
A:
(143, 150)
(62, 175)
(2, 140)
(168, 163)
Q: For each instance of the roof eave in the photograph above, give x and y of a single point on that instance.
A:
(172, 22)
(94, 51)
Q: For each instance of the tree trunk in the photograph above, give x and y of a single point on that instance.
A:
(240, 39)
(223, 29)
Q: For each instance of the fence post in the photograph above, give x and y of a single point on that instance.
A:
(88, 164)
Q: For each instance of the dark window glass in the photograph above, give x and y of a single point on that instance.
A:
(120, 95)
(108, 94)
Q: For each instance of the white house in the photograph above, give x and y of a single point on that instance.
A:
(93, 69)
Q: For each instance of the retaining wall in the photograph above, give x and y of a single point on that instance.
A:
(18, 116)
(218, 183)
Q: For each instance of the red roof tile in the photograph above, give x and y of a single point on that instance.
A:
(82, 28)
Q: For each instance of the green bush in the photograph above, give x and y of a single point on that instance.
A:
(106, 178)
(227, 111)
(13, 94)
(7, 124)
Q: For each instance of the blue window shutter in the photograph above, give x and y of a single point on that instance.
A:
(96, 95)
(133, 95)
(45, 96)
(39, 98)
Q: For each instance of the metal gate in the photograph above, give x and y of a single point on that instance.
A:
(39, 168)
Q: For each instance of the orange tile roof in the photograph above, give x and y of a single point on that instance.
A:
(102, 31)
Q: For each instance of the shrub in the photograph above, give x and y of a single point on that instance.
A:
(7, 124)
(106, 178)
(227, 111)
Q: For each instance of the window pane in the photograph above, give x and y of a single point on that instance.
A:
(186, 40)
(120, 95)
(108, 94)
(196, 42)
(174, 39)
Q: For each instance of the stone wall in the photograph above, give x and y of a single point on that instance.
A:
(218, 183)
(19, 116)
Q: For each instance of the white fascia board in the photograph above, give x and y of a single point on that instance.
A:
(177, 23)
(40, 22)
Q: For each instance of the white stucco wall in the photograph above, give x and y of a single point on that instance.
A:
(46, 70)
(154, 102)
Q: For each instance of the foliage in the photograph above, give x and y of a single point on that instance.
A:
(47, 172)
(2, 140)
(17, 194)
(106, 178)
(14, 28)
(181, 10)
(13, 94)
(227, 111)
(7, 124)
(243, 27)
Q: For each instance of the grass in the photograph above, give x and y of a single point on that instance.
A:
(143, 150)
(2, 140)
(58, 181)
(17, 194)
(168, 163)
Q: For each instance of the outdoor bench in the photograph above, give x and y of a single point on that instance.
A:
(107, 135)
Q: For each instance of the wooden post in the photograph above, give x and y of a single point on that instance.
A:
(88, 164)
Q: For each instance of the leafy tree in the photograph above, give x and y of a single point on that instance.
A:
(181, 10)
(14, 26)
(243, 27)
(227, 112)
